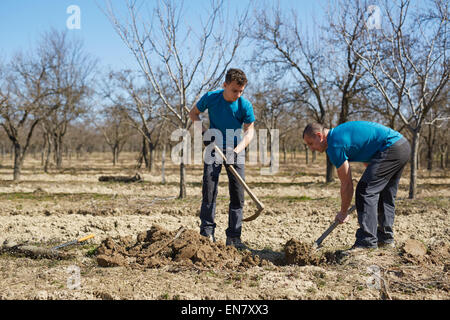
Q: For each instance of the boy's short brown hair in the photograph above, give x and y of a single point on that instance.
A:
(236, 75)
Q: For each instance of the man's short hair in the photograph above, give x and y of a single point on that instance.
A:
(236, 75)
(312, 128)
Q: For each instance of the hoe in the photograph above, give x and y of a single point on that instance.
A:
(258, 203)
(318, 242)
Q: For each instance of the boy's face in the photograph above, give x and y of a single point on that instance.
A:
(232, 91)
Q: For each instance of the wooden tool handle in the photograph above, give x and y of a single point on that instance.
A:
(241, 181)
(85, 238)
(318, 242)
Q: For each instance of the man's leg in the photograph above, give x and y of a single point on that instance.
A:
(386, 210)
(382, 168)
(366, 199)
(211, 174)
(237, 197)
(398, 156)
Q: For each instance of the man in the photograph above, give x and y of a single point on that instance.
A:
(385, 153)
(227, 109)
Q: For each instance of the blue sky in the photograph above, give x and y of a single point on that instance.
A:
(23, 21)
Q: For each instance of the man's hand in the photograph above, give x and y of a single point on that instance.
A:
(342, 217)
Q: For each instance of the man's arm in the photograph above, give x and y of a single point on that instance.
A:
(249, 131)
(345, 175)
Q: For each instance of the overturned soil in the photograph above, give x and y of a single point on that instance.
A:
(303, 254)
(159, 247)
(415, 252)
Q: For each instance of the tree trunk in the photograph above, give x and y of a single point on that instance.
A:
(43, 152)
(306, 154)
(414, 160)
(18, 160)
(443, 153)
(163, 164)
(330, 170)
(47, 152)
(58, 152)
(430, 158)
(152, 157)
(115, 154)
(182, 181)
(47, 157)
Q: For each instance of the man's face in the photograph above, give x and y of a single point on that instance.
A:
(232, 91)
(316, 143)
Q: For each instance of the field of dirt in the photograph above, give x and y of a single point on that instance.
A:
(146, 242)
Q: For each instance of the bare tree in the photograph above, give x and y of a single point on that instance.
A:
(113, 124)
(194, 56)
(140, 105)
(281, 43)
(444, 141)
(22, 91)
(407, 61)
(276, 108)
(435, 125)
(347, 74)
(70, 71)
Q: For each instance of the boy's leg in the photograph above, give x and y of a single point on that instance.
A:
(211, 173)
(237, 197)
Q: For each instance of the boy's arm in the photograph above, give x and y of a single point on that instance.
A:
(194, 115)
(249, 132)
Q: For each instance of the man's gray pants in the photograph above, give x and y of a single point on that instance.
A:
(211, 173)
(376, 192)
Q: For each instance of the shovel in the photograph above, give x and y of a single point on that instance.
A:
(318, 242)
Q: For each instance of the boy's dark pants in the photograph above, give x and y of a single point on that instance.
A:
(211, 173)
(376, 192)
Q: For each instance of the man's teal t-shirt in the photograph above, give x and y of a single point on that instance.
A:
(225, 115)
(358, 141)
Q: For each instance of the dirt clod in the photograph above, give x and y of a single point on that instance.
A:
(414, 251)
(415, 248)
(302, 254)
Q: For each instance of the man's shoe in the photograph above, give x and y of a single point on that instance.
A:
(387, 245)
(236, 242)
(354, 250)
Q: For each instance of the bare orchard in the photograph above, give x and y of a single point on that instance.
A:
(46, 210)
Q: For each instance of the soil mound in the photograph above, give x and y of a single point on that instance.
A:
(158, 247)
(416, 252)
(302, 254)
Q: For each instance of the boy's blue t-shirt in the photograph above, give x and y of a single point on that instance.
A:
(358, 141)
(225, 115)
